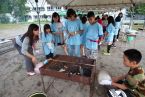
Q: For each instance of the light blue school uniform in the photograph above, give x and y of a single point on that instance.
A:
(83, 35)
(73, 42)
(92, 34)
(54, 29)
(117, 27)
(111, 32)
(64, 31)
(47, 39)
(73, 26)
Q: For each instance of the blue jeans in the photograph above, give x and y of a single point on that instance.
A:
(74, 50)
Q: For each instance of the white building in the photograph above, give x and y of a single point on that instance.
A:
(44, 9)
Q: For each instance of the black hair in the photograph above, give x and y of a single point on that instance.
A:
(84, 19)
(80, 16)
(54, 15)
(97, 18)
(133, 55)
(30, 34)
(103, 18)
(71, 12)
(118, 18)
(120, 13)
(90, 14)
(46, 26)
(111, 20)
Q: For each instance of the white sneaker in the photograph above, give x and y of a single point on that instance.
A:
(31, 73)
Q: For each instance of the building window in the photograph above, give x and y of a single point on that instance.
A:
(35, 17)
(52, 8)
(58, 8)
(49, 16)
(42, 16)
(34, 8)
(28, 17)
(41, 8)
(48, 8)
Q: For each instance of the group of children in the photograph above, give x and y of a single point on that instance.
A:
(79, 38)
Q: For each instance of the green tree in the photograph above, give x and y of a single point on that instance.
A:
(140, 9)
(4, 6)
(16, 8)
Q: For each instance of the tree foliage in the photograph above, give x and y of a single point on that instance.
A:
(16, 8)
(140, 9)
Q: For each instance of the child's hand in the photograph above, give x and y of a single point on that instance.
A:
(99, 42)
(34, 60)
(50, 45)
(72, 34)
(120, 86)
(115, 79)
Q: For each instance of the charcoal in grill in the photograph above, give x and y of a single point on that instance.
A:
(74, 70)
(87, 72)
(57, 66)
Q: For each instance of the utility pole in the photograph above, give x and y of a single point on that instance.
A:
(38, 11)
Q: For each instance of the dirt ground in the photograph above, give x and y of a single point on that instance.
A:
(14, 81)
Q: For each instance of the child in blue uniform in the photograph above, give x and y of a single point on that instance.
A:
(117, 27)
(109, 35)
(83, 35)
(48, 41)
(57, 29)
(74, 28)
(94, 34)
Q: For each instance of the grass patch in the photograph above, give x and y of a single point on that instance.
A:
(19, 25)
(135, 27)
(11, 26)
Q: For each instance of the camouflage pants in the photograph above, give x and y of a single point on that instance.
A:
(91, 54)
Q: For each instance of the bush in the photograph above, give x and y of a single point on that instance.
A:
(4, 19)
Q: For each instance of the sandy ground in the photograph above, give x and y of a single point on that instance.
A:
(15, 83)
